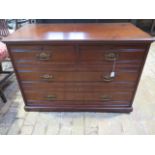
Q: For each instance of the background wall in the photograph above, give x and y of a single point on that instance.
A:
(144, 24)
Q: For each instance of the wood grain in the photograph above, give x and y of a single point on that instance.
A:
(78, 96)
(76, 59)
(78, 32)
(75, 76)
(78, 86)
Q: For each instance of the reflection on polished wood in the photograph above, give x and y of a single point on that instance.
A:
(62, 67)
(69, 32)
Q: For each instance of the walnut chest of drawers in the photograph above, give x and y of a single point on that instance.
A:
(78, 67)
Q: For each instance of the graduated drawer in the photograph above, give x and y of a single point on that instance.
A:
(103, 96)
(77, 76)
(78, 86)
(42, 54)
(47, 66)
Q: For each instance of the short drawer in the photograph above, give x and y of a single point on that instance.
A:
(78, 76)
(102, 54)
(78, 96)
(44, 54)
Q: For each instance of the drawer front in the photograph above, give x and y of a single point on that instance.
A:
(39, 67)
(62, 54)
(102, 54)
(78, 86)
(78, 96)
(43, 54)
(78, 76)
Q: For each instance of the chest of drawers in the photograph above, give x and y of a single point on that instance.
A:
(78, 67)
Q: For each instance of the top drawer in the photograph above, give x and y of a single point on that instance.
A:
(55, 54)
(107, 53)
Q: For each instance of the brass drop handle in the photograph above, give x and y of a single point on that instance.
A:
(106, 98)
(46, 77)
(111, 56)
(43, 56)
(50, 97)
(108, 78)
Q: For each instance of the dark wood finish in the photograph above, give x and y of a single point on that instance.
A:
(64, 67)
(83, 108)
(78, 96)
(76, 76)
(48, 67)
(88, 54)
(78, 86)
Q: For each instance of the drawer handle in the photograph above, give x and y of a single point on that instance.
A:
(43, 56)
(47, 77)
(111, 56)
(108, 78)
(50, 97)
(106, 98)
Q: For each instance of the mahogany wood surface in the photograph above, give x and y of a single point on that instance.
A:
(73, 32)
(76, 96)
(62, 67)
(75, 76)
(78, 86)
(87, 53)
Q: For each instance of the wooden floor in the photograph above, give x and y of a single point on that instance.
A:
(14, 120)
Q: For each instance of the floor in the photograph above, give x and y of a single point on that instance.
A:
(14, 120)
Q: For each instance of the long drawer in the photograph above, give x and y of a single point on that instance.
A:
(78, 96)
(78, 76)
(47, 66)
(77, 86)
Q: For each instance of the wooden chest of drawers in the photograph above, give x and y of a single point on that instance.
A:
(78, 67)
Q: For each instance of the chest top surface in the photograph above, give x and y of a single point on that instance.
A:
(78, 32)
